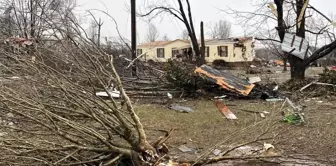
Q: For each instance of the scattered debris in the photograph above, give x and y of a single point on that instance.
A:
(220, 97)
(268, 146)
(181, 109)
(276, 88)
(274, 100)
(114, 94)
(225, 80)
(262, 115)
(170, 96)
(295, 108)
(186, 149)
(225, 110)
(294, 118)
(253, 80)
(253, 66)
(216, 152)
(244, 151)
(316, 83)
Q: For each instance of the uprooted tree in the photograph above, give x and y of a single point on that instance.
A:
(182, 13)
(290, 17)
(50, 114)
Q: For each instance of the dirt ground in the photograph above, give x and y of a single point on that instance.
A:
(206, 127)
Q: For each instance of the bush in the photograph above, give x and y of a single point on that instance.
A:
(219, 63)
(328, 76)
(181, 76)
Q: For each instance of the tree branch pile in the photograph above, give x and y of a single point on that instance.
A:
(51, 115)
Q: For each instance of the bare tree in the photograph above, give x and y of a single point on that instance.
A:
(182, 15)
(28, 18)
(93, 30)
(185, 35)
(152, 33)
(221, 30)
(288, 17)
(165, 38)
(96, 26)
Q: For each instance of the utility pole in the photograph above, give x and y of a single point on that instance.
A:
(202, 60)
(100, 24)
(133, 28)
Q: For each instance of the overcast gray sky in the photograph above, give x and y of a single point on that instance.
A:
(203, 10)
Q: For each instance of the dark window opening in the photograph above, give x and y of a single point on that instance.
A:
(160, 53)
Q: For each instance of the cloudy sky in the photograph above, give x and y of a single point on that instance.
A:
(208, 11)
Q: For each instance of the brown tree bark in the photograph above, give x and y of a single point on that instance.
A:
(298, 68)
(285, 65)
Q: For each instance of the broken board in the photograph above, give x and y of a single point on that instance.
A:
(225, 110)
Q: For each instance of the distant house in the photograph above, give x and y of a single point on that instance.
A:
(229, 50)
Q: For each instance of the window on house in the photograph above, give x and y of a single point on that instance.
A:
(175, 52)
(160, 53)
(223, 51)
(139, 52)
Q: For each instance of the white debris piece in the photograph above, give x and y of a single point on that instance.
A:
(262, 115)
(170, 96)
(253, 80)
(216, 152)
(268, 146)
(114, 94)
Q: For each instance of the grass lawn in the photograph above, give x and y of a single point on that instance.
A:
(206, 127)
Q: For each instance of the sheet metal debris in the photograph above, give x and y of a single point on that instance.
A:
(225, 110)
(296, 45)
(225, 80)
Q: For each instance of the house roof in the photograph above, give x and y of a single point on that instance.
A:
(207, 42)
(160, 43)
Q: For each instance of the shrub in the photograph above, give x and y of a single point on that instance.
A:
(181, 76)
(219, 63)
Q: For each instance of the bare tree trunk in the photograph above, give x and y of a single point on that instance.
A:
(285, 64)
(297, 66)
(32, 19)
